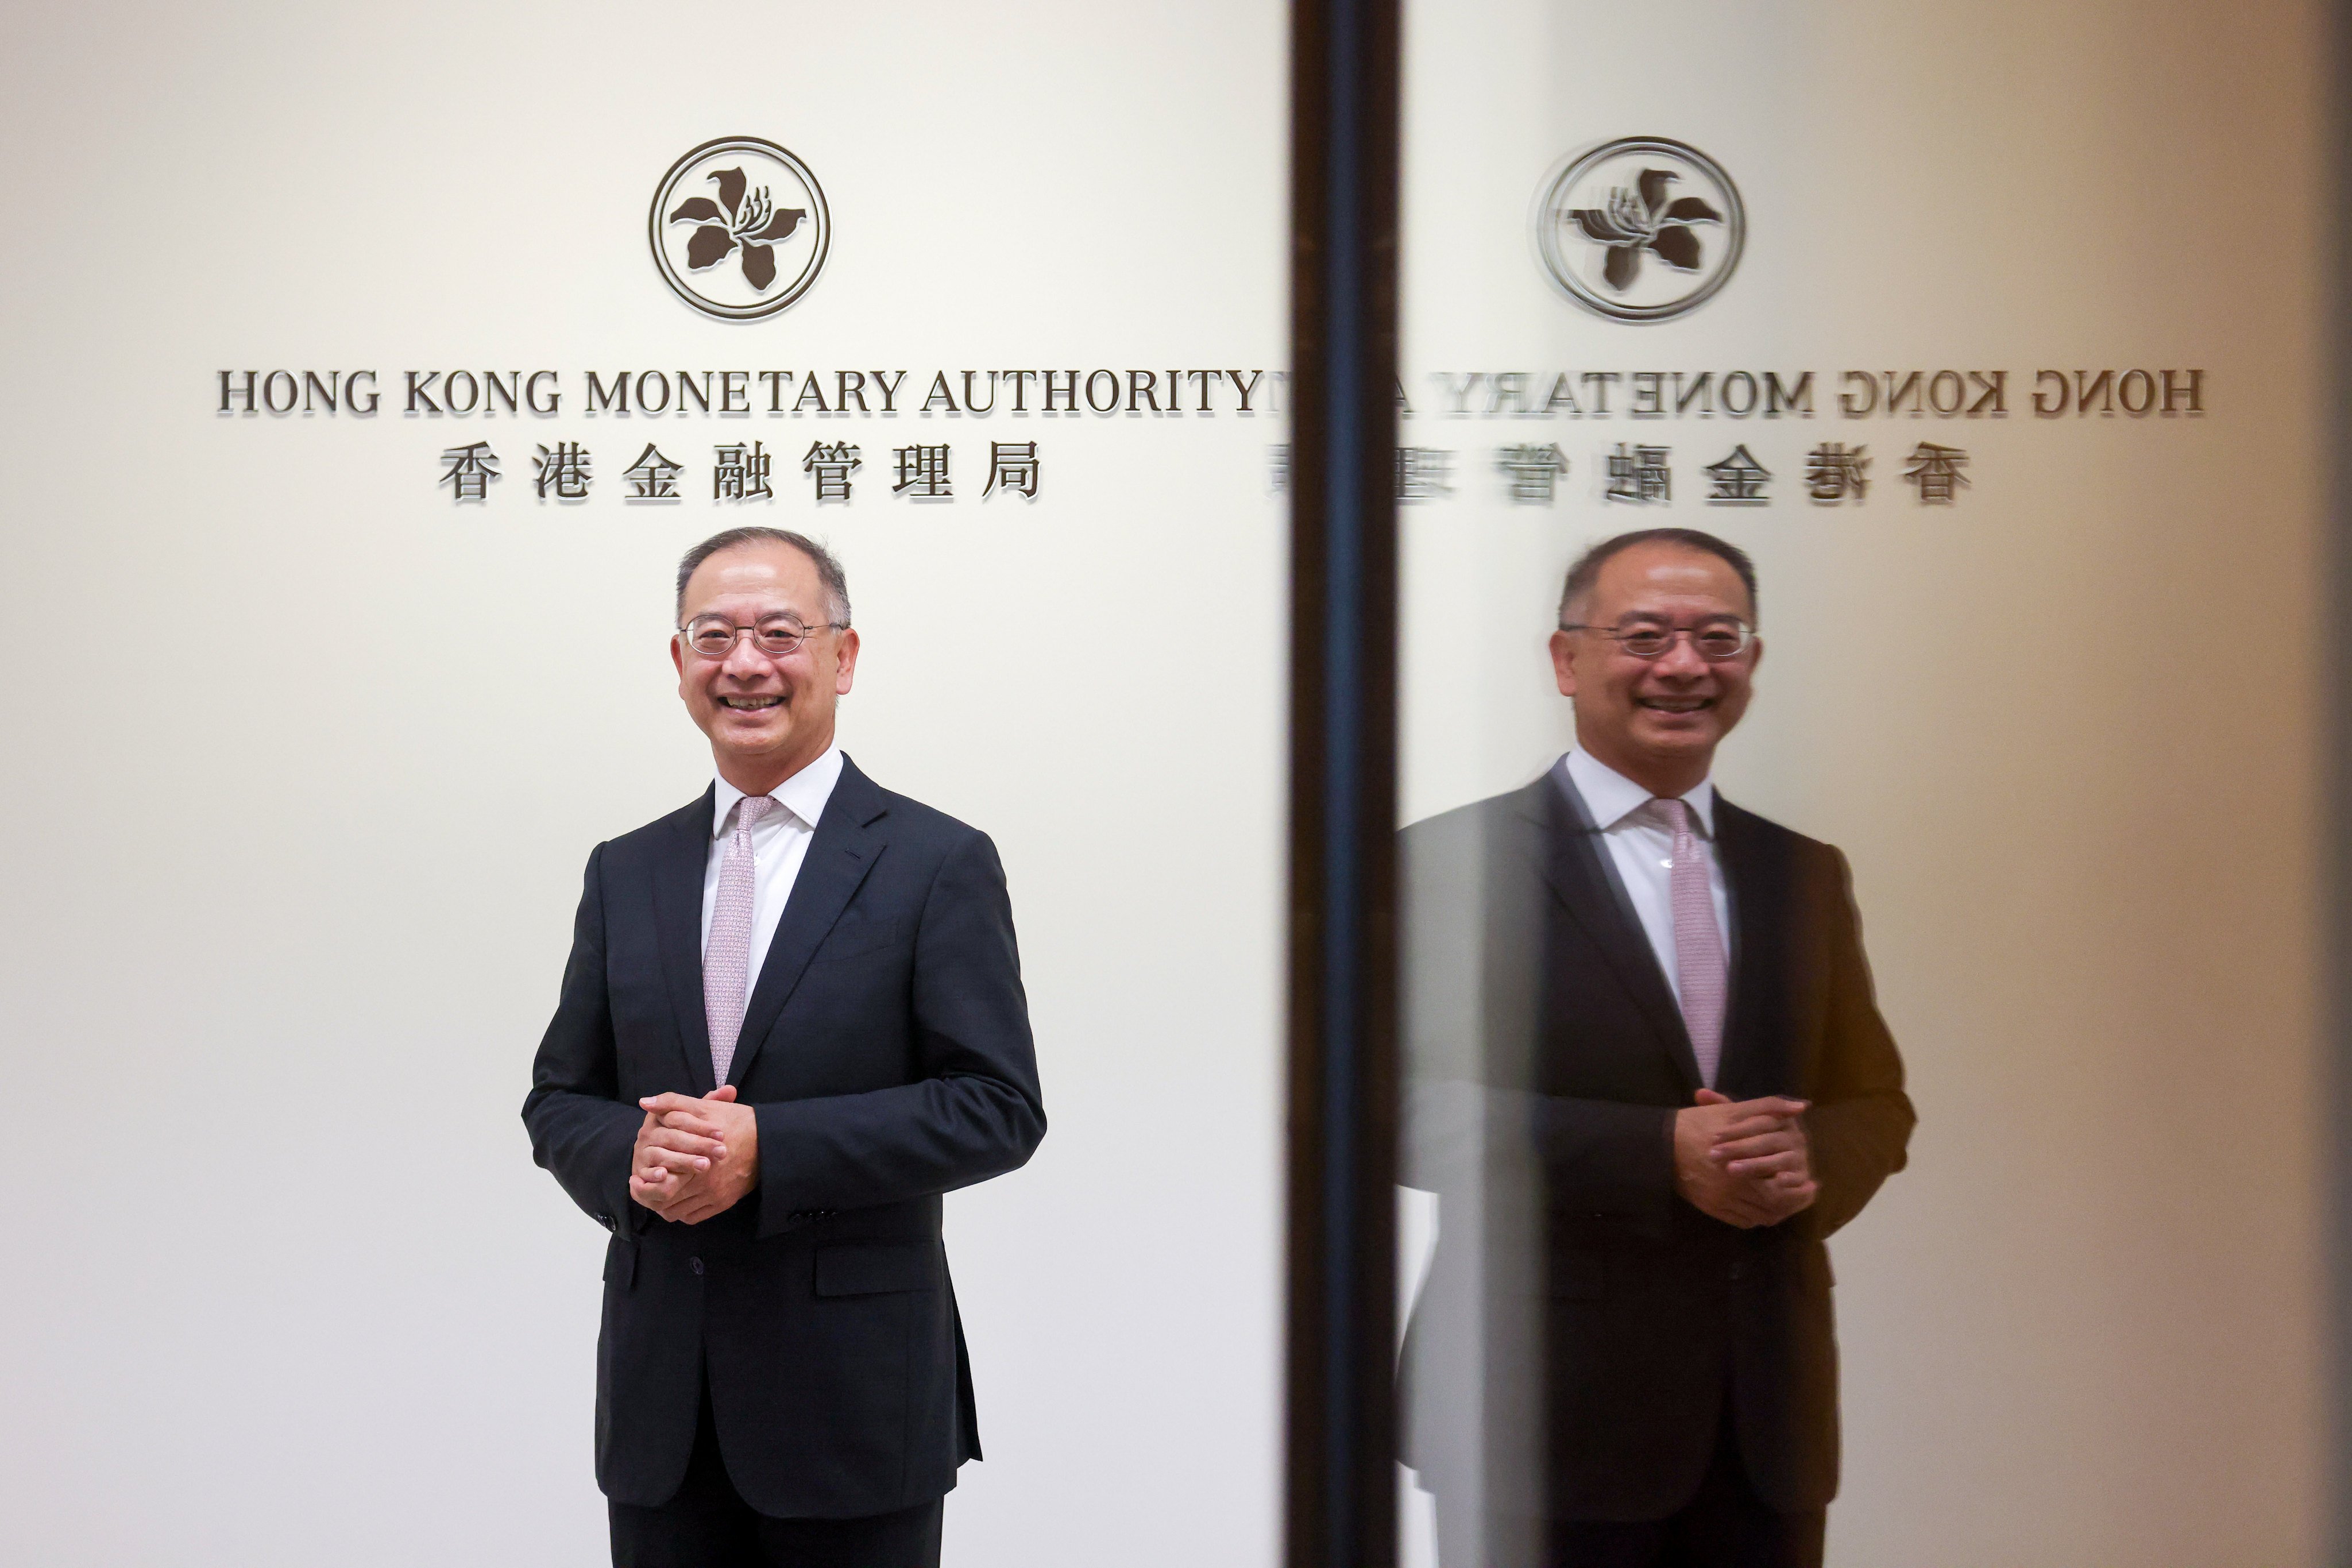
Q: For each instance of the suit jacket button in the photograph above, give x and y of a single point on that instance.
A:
(1737, 1268)
(698, 1265)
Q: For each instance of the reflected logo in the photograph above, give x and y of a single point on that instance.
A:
(739, 229)
(1641, 229)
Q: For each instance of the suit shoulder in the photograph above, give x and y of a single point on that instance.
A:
(1782, 840)
(1477, 820)
(910, 819)
(661, 829)
(1457, 851)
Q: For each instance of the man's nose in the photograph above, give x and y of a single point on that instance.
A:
(745, 661)
(1681, 657)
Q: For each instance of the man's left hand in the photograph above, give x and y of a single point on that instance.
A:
(1771, 1153)
(690, 1199)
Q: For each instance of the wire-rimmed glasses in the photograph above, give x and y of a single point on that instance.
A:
(1725, 638)
(714, 636)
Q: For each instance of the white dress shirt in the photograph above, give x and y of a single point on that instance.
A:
(780, 842)
(1642, 847)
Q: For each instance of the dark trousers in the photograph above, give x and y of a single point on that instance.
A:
(1725, 1525)
(708, 1525)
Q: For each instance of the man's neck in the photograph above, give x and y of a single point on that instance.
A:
(1669, 778)
(762, 776)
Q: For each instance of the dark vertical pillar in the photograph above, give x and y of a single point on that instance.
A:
(1341, 1485)
(2336, 794)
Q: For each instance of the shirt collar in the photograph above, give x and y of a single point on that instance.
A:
(1611, 797)
(804, 794)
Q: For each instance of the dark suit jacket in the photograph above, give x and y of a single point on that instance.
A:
(1598, 1318)
(886, 1048)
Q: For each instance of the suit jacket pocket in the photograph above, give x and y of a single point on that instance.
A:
(873, 1267)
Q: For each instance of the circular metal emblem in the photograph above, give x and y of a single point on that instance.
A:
(1641, 229)
(739, 229)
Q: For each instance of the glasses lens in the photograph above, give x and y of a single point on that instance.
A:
(710, 635)
(1721, 642)
(779, 635)
(1644, 642)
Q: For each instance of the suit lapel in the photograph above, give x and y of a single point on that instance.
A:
(1576, 868)
(844, 850)
(678, 871)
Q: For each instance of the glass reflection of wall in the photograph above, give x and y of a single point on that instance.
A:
(2090, 1322)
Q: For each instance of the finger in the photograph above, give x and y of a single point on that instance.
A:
(724, 1091)
(1775, 1105)
(1753, 1200)
(1748, 1148)
(685, 1143)
(669, 1179)
(1789, 1162)
(1789, 1133)
(1708, 1096)
(689, 1122)
(654, 1156)
(1741, 1206)
(662, 1104)
(1739, 1120)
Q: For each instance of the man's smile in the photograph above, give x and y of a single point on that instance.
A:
(1675, 704)
(753, 704)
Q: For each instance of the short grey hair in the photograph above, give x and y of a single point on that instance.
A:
(828, 569)
(1587, 569)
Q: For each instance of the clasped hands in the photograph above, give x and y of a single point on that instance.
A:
(695, 1158)
(1744, 1161)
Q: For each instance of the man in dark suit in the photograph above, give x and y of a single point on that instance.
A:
(1648, 1079)
(793, 1018)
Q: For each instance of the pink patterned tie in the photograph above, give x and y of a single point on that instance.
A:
(1699, 969)
(726, 961)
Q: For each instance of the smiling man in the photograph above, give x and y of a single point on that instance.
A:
(792, 1019)
(1649, 1079)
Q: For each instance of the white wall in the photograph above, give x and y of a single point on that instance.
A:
(293, 837)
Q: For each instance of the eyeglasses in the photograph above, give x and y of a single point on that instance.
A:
(1715, 640)
(714, 636)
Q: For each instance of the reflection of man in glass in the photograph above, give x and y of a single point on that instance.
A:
(1649, 1078)
(792, 1019)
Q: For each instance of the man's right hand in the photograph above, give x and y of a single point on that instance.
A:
(666, 1158)
(1705, 1182)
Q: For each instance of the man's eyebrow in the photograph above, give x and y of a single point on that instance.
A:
(1662, 615)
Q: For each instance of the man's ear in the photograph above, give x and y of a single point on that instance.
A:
(1563, 662)
(845, 668)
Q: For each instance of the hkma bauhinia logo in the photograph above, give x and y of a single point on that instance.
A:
(1641, 229)
(739, 229)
